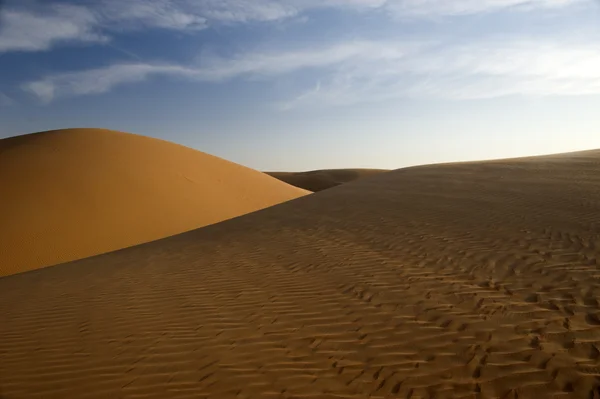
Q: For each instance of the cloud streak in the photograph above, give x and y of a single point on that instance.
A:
(430, 8)
(22, 30)
(485, 69)
(42, 25)
(359, 71)
(212, 69)
(101, 80)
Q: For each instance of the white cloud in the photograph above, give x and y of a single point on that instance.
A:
(361, 71)
(280, 62)
(26, 31)
(483, 69)
(214, 69)
(431, 8)
(140, 14)
(244, 10)
(41, 25)
(99, 80)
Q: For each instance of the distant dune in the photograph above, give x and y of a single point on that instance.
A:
(69, 194)
(318, 180)
(470, 280)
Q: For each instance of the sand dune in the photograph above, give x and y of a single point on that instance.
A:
(475, 280)
(319, 180)
(74, 193)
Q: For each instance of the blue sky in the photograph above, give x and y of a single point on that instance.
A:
(309, 84)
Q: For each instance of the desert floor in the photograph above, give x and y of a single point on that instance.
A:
(469, 280)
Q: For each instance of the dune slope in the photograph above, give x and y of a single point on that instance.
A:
(475, 280)
(318, 180)
(74, 193)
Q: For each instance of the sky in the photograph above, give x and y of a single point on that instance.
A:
(293, 85)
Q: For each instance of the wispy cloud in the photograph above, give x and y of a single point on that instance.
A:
(361, 71)
(270, 63)
(32, 31)
(99, 80)
(41, 25)
(141, 14)
(214, 69)
(483, 69)
(434, 8)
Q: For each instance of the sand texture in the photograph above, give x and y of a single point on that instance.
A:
(319, 180)
(73, 193)
(474, 280)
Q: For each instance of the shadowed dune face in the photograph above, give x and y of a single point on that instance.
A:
(74, 193)
(475, 280)
(318, 180)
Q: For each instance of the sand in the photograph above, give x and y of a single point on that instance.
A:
(73, 193)
(319, 180)
(475, 280)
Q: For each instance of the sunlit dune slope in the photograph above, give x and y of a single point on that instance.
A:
(73, 193)
(318, 180)
(471, 280)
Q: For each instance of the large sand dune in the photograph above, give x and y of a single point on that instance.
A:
(474, 280)
(74, 193)
(319, 180)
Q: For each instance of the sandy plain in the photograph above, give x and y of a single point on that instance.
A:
(466, 280)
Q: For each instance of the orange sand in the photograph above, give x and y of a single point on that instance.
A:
(474, 280)
(70, 194)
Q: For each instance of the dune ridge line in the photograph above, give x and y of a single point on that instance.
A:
(73, 193)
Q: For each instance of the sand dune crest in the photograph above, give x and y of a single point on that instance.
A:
(319, 180)
(74, 193)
